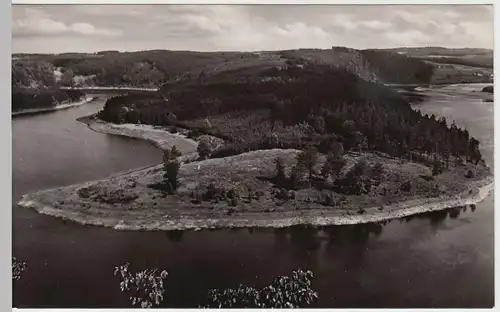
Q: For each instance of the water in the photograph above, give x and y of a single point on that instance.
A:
(443, 259)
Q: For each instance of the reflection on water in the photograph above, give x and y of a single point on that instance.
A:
(309, 238)
(175, 236)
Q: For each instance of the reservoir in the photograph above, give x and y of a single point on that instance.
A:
(436, 260)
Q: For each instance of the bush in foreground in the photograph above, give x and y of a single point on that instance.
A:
(18, 267)
(146, 289)
(284, 292)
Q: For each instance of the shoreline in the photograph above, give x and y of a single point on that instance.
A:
(480, 191)
(97, 88)
(55, 108)
(476, 192)
(159, 138)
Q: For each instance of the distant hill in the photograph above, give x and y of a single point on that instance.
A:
(429, 51)
(463, 56)
(156, 67)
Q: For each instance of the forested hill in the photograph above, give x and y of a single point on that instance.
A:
(26, 98)
(154, 68)
(297, 106)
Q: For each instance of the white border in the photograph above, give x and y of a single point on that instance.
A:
(261, 2)
(6, 170)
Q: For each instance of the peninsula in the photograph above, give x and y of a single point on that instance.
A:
(274, 139)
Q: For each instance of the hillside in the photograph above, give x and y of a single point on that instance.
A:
(28, 98)
(295, 107)
(156, 67)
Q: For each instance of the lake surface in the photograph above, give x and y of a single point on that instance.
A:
(442, 260)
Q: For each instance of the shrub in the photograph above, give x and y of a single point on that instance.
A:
(408, 186)
(270, 140)
(144, 288)
(18, 267)
(198, 198)
(284, 292)
(174, 152)
(377, 172)
(235, 201)
(193, 134)
(250, 194)
(437, 168)
(214, 193)
(233, 193)
(329, 201)
(282, 194)
(84, 192)
(332, 166)
(204, 149)
(470, 174)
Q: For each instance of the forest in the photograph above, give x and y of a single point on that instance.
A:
(24, 98)
(299, 106)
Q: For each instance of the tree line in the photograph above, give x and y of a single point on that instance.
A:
(24, 98)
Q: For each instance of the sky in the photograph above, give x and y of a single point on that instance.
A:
(92, 28)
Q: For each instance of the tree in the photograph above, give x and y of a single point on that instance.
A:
(317, 122)
(473, 150)
(171, 167)
(308, 160)
(280, 171)
(360, 141)
(332, 166)
(67, 78)
(174, 152)
(171, 175)
(355, 181)
(204, 148)
(296, 175)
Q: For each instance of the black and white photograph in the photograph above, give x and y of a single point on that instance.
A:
(252, 156)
